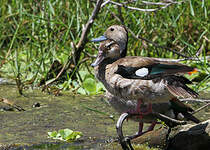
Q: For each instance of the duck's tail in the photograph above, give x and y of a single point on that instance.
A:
(177, 86)
(185, 110)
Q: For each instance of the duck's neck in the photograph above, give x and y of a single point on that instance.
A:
(123, 46)
(109, 60)
(124, 52)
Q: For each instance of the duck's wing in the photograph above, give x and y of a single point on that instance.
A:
(177, 86)
(149, 68)
(144, 68)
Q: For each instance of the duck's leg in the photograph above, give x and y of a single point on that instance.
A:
(140, 132)
(141, 114)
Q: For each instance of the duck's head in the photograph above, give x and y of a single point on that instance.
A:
(113, 44)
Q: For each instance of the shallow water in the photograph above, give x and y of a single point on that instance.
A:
(67, 111)
(28, 129)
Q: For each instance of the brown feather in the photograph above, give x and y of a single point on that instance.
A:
(137, 61)
(177, 86)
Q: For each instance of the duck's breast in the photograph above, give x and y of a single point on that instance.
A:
(146, 90)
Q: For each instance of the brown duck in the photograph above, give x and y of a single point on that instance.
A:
(140, 79)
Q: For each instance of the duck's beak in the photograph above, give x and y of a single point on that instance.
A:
(101, 55)
(99, 59)
(99, 39)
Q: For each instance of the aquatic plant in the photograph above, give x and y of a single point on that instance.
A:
(41, 42)
(65, 135)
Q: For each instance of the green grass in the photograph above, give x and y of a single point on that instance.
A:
(36, 33)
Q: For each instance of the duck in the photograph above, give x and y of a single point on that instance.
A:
(142, 80)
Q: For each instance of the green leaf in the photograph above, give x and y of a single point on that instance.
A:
(52, 134)
(90, 85)
(81, 91)
(65, 133)
(74, 136)
(100, 87)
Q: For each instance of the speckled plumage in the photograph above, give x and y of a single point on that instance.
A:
(134, 82)
(172, 109)
(161, 88)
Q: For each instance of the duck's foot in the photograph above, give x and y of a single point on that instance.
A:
(126, 144)
(140, 132)
(124, 141)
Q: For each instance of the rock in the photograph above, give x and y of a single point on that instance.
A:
(191, 137)
(185, 137)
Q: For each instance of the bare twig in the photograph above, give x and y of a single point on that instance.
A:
(208, 40)
(125, 142)
(156, 45)
(153, 3)
(178, 60)
(83, 39)
(201, 108)
(88, 54)
(12, 104)
(162, 4)
(169, 121)
(53, 80)
(156, 3)
(196, 100)
(199, 101)
(133, 8)
(120, 14)
(200, 50)
(106, 2)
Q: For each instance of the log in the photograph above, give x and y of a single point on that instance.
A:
(184, 137)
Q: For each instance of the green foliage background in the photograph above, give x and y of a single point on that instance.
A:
(36, 33)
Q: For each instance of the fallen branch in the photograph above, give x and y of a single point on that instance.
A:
(201, 108)
(12, 104)
(195, 100)
(195, 135)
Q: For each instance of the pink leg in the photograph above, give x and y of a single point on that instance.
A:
(141, 114)
(151, 127)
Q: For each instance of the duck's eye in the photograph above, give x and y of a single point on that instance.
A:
(112, 29)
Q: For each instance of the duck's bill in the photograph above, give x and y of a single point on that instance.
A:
(98, 60)
(99, 39)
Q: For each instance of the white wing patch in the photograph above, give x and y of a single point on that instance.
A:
(142, 72)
